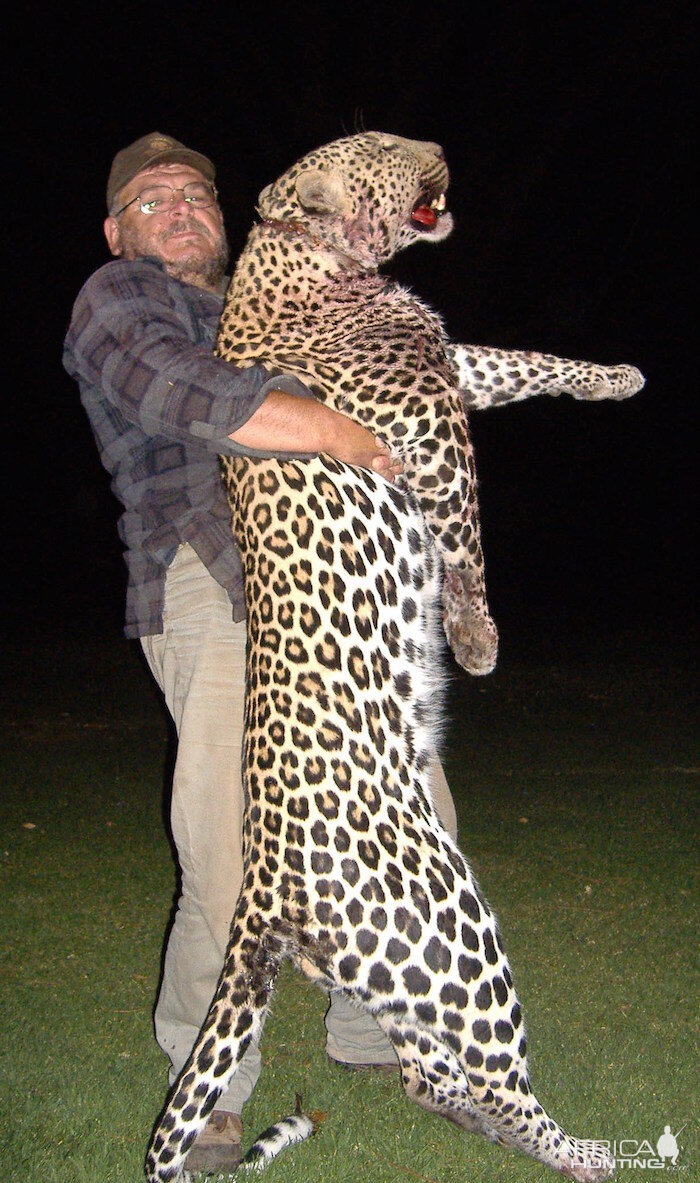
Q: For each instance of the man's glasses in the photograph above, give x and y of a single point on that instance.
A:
(157, 198)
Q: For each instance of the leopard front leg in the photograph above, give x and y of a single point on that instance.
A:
(490, 377)
(469, 628)
(440, 472)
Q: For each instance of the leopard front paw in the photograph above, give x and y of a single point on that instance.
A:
(615, 382)
(470, 631)
(475, 649)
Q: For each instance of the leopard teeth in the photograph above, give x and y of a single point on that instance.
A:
(439, 203)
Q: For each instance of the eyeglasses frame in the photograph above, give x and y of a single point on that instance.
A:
(180, 189)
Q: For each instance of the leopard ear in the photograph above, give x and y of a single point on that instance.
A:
(321, 191)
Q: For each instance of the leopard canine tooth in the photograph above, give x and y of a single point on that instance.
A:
(439, 203)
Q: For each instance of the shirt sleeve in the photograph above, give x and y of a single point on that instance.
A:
(131, 337)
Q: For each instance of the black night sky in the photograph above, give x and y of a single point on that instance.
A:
(568, 132)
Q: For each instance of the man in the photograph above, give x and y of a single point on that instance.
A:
(162, 409)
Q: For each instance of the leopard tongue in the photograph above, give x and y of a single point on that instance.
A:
(425, 215)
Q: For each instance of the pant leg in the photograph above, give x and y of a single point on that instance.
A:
(352, 1035)
(442, 797)
(199, 663)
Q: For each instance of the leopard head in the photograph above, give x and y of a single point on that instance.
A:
(367, 196)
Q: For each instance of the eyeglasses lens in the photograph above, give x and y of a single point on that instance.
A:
(160, 197)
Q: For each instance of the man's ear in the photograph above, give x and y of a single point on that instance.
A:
(113, 235)
(322, 191)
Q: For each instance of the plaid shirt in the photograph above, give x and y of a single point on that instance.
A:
(162, 408)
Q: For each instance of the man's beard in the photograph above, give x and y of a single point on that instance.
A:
(201, 270)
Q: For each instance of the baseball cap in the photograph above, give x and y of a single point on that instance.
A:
(155, 148)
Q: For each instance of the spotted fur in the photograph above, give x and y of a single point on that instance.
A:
(347, 868)
(306, 299)
(278, 1137)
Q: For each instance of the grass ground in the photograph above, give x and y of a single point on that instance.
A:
(575, 779)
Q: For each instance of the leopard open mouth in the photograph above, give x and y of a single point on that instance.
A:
(428, 210)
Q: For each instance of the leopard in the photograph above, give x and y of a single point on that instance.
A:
(307, 297)
(352, 583)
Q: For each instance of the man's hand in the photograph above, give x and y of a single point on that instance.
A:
(354, 444)
(288, 423)
(387, 466)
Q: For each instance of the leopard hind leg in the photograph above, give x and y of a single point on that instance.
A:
(235, 1019)
(435, 1078)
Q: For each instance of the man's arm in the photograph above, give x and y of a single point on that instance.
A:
(286, 423)
(491, 377)
(132, 337)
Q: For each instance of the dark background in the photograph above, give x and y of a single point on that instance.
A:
(569, 136)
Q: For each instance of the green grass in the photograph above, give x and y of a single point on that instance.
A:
(575, 782)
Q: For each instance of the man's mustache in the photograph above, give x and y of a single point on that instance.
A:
(189, 225)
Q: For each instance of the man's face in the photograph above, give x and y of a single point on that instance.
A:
(190, 242)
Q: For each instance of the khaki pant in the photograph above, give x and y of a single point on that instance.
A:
(199, 664)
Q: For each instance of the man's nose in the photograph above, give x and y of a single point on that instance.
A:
(178, 204)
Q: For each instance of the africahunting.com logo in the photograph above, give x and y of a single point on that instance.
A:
(644, 1155)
